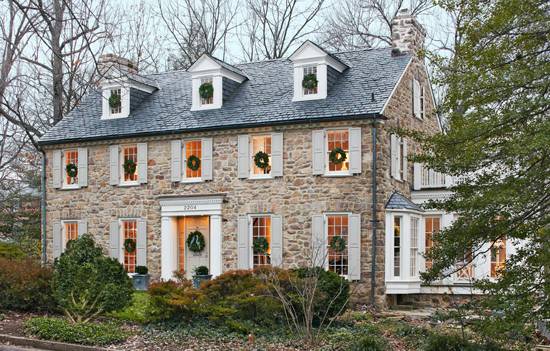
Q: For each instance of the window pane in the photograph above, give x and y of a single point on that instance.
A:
(414, 246)
(337, 227)
(193, 148)
(261, 227)
(129, 153)
(209, 100)
(71, 156)
(118, 107)
(397, 246)
(338, 139)
(260, 143)
(71, 231)
(130, 232)
(310, 70)
(431, 228)
(498, 258)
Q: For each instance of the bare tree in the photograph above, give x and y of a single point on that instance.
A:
(198, 27)
(358, 24)
(276, 25)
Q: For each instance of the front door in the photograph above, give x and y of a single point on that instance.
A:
(191, 259)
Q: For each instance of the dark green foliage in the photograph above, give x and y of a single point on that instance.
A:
(368, 343)
(25, 286)
(201, 270)
(142, 270)
(438, 342)
(174, 300)
(11, 251)
(137, 311)
(58, 329)
(86, 283)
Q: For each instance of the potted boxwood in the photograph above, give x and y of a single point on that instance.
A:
(141, 278)
(201, 274)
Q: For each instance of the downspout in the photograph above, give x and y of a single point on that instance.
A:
(43, 208)
(374, 220)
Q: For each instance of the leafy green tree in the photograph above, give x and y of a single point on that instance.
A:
(86, 283)
(498, 147)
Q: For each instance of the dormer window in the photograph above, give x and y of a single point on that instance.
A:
(115, 101)
(314, 72)
(206, 91)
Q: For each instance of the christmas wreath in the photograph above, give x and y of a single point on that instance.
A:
(206, 90)
(72, 170)
(129, 166)
(114, 100)
(260, 245)
(337, 243)
(195, 241)
(130, 245)
(193, 163)
(337, 156)
(261, 160)
(309, 81)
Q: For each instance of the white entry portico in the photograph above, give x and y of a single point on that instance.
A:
(175, 207)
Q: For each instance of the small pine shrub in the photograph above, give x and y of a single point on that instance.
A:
(137, 311)
(25, 286)
(368, 343)
(11, 251)
(85, 333)
(451, 342)
(174, 300)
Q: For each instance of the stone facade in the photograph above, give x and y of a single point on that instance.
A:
(296, 196)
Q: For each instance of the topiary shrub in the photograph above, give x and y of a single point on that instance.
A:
(79, 333)
(142, 270)
(86, 283)
(25, 285)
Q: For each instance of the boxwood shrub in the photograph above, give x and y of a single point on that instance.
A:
(85, 333)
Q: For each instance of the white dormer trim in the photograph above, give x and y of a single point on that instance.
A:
(207, 67)
(124, 84)
(309, 54)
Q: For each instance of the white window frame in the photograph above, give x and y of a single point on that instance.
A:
(399, 162)
(251, 157)
(401, 230)
(184, 178)
(325, 224)
(203, 80)
(251, 237)
(321, 68)
(217, 97)
(307, 68)
(64, 232)
(121, 239)
(327, 152)
(414, 246)
(124, 101)
(64, 184)
(123, 182)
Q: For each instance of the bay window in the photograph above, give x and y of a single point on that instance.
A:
(432, 225)
(397, 225)
(414, 246)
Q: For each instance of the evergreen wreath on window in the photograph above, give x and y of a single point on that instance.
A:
(337, 243)
(114, 100)
(310, 81)
(71, 169)
(261, 160)
(337, 156)
(206, 90)
(193, 163)
(129, 166)
(195, 241)
(130, 245)
(260, 245)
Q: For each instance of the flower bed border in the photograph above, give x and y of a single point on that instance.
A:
(47, 345)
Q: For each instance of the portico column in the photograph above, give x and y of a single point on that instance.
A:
(168, 247)
(216, 239)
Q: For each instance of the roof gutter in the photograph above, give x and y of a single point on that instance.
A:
(44, 258)
(373, 116)
(374, 219)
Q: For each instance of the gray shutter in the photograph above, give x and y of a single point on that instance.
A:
(114, 240)
(82, 166)
(354, 247)
(56, 169)
(318, 150)
(141, 243)
(276, 240)
(114, 165)
(82, 227)
(318, 241)
(404, 160)
(393, 156)
(355, 150)
(243, 243)
(57, 239)
(243, 163)
(175, 146)
(142, 162)
(277, 154)
(206, 162)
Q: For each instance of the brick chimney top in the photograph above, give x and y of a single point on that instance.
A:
(113, 66)
(407, 34)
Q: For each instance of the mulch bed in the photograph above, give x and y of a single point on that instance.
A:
(12, 322)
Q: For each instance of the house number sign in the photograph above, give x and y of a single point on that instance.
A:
(189, 207)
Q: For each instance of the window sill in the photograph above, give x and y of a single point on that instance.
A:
(128, 184)
(191, 180)
(261, 176)
(70, 187)
(337, 175)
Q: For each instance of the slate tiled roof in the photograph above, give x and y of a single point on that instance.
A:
(398, 201)
(264, 99)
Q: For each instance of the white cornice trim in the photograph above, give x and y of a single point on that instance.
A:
(395, 86)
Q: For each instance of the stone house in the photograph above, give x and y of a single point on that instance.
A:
(283, 162)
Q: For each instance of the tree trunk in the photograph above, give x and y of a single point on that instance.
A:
(57, 62)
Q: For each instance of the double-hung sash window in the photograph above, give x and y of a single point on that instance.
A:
(498, 257)
(466, 268)
(192, 150)
(70, 232)
(345, 146)
(70, 157)
(397, 226)
(208, 100)
(117, 107)
(399, 168)
(129, 155)
(432, 225)
(260, 143)
(260, 228)
(129, 231)
(414, 246)
(310, 70)
(337, 140)
(337, 232)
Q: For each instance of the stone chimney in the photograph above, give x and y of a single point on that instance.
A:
(113, 66)
(407, 34)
